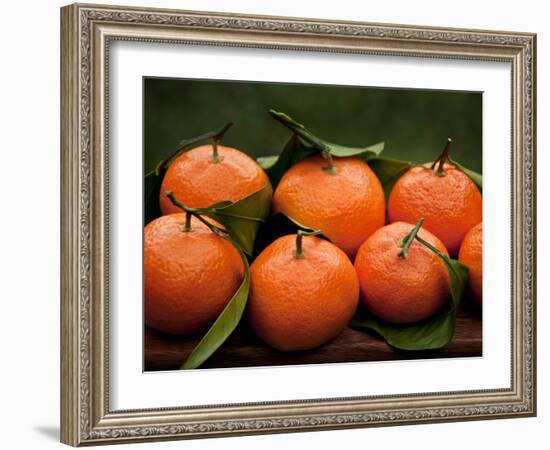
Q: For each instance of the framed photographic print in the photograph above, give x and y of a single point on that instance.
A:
(276, 224)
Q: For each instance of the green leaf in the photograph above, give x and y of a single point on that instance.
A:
(477, 178)
(459, 277)
(432, 333)
(458, 273)
(366, 153)
(388, 171)
(151, 193)
(224, 325)
(429, 334)
(267, 162)
(243, 218)
(303, 143)
(321, 144)
(294, 151)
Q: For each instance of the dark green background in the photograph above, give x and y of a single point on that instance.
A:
(414, 123)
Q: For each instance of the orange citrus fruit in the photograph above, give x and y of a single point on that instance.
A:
(199, 182)
(397, 289)
(189, 276)
(299, 303)
(450, 203)
(347, 206)
(471, 255)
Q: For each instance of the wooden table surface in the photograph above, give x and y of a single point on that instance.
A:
(244, 349)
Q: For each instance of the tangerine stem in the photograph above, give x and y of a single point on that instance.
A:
(430, 246)
(299, 252)
(197, 212)
(187, 144)
(331, 168)
(406, 242)
(215, 155)
(443, 158)
(187, 226)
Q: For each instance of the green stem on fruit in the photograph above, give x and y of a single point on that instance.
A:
(438, 165)
(216, 158)
(197, 212)
(299, 252)
(187, 227)
(430, 246)
(188, 144)
(331, 168)
(406, 241)
(300, 131)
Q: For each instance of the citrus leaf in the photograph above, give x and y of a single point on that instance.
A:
(322, 145)
(459, 277)
(294, 151)
(366, 153)
(303, 143)
(432, 333)
(151, 192)
(224, 325)
(299, 130)
(425, 335)
(267, 162)
(221, 204)
(388, 171)
(458, 273)
(477, 178)
(276, 226)
(242, 219)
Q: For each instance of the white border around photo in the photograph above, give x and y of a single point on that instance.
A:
(131, 388)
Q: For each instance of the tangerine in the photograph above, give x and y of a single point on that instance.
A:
(402, 289)
(203, 176)
(302, 293)
(471, 255)
(443, 195)
(346, 204)
(189, 274)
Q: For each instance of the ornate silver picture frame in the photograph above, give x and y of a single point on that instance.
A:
(87, 31)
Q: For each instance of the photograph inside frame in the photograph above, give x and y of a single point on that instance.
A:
(291, 224)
